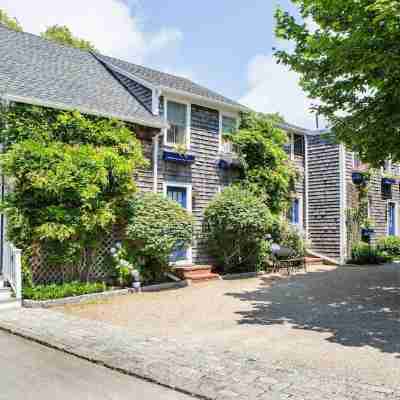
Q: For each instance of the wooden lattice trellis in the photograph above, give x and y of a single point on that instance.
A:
(99, 269)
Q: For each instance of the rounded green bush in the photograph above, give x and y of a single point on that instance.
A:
(390, 246)
(155, 227)
(236, 223)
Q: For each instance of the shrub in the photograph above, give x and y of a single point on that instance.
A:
(54, 291)
(289, 236)
(389, 246)
(363, 253)
(236, 223)
(155, 227)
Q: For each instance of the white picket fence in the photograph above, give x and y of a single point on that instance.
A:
(12, 270)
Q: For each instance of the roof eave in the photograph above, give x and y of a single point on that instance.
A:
(84, 110)
(204, 100)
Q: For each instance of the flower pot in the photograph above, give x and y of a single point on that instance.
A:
(358, 178)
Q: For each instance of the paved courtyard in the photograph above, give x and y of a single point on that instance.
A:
(331, 334)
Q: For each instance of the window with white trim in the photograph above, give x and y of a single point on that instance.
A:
(228, 126)
(177, 117)
(295, 212)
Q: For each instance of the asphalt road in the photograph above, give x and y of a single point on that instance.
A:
(31, 371)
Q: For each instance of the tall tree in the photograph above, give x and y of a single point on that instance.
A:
(351, 63)
(9, 22)
(63, 35)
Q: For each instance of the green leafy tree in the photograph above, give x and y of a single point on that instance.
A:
(70, 175)
(63, 35)
(9, 22)
(267, 170)
(351, 63)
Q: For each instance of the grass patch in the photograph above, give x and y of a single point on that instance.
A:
(60, 291)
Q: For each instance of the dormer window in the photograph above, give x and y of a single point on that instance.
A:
(177, 115)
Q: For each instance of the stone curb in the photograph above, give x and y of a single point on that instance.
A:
(243, 275)
(98, 361)
(101, 296)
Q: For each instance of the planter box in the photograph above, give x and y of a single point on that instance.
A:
(178, 158)
(225, 163)
(358, 178)
(388, 181)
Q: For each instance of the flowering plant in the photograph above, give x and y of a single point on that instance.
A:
(124, 267)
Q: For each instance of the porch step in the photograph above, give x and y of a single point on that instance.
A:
(196, 273)
(310, 260)
(9, 304)
(5, 294)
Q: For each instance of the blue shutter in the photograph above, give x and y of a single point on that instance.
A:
(392, 219)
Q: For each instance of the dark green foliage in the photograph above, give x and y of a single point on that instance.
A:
(267, 170)
(351, 63)
(389, 246)
(63, 35)
(155, 226)
(71, 175)
(54, 291)
(236, 223)
(363, 253)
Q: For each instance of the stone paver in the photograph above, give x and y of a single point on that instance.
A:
(192, 369)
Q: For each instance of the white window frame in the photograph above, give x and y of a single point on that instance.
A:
(396, 216)
(188, 119)
(188, 187)
(228, 115)
(298, 197)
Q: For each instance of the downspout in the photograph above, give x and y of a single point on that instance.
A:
(343, 198)
(4, 105)
(155, 162)
(306, 214)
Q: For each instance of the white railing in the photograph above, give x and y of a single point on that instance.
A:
(12, 270)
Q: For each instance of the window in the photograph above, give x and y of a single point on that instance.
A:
(177, 116)
(298, 145)
(295, 211)
(392, 219)
(228, 126)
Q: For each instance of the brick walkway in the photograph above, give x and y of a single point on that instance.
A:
(218, 374)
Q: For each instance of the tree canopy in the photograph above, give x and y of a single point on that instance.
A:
(63, 35)
(9, 22)
(351, 63)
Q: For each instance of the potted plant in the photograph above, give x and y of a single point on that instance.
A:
(360, 177)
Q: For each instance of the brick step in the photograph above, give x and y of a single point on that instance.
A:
(196, 273)
(314, 261)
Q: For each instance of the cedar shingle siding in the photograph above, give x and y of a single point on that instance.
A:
(324, 197)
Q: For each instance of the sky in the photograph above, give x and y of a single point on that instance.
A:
(225, 45)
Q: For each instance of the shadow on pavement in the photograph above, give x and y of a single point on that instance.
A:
(357, 306)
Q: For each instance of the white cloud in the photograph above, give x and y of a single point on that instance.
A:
(108, 24)
(274, 88)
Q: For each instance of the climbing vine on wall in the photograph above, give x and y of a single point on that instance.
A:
(70, 176)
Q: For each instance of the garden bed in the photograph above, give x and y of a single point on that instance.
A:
(111, 292)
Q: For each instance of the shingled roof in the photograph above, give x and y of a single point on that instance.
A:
(38, 71)
(168, 81)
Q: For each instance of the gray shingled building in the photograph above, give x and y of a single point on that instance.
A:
(166, 111)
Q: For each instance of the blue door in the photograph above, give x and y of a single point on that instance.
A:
(178, 194)
(392, 219)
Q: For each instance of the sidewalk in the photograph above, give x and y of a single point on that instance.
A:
(193, 370)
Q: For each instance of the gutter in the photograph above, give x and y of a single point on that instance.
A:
(62, 106)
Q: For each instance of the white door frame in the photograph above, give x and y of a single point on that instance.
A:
(188, 187)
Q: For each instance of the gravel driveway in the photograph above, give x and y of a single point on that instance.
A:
(343, 321)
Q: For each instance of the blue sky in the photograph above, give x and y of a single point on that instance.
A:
(223, 44)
